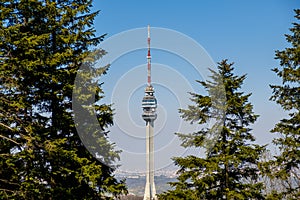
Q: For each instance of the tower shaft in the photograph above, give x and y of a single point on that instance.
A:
(150, 191)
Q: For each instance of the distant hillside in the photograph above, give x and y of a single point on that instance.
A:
(136, 185)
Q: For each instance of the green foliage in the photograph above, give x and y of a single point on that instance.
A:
(229, 169)
(286, 166)
(42, 46)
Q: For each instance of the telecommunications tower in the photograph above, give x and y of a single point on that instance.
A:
(149, 105)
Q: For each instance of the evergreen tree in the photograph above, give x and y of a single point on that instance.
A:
(42, 45)
(286, 166)
(229, 169)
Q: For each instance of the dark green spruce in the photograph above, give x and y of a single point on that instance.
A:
(42, 45)
(229, 168)
(285, 167)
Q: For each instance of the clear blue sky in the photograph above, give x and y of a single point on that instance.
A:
(244, 32)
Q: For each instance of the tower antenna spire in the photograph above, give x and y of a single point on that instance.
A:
(149, 58)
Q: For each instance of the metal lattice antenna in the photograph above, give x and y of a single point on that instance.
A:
(149, 58)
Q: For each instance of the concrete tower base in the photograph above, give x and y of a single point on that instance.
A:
(150, 191)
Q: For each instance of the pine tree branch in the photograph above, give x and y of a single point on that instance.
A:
(7, 190)
(6, 126)
(8, 182)
(4, 137)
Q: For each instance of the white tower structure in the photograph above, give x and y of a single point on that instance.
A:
(149, 105)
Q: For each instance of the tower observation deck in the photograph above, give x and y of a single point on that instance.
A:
(149, 105)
